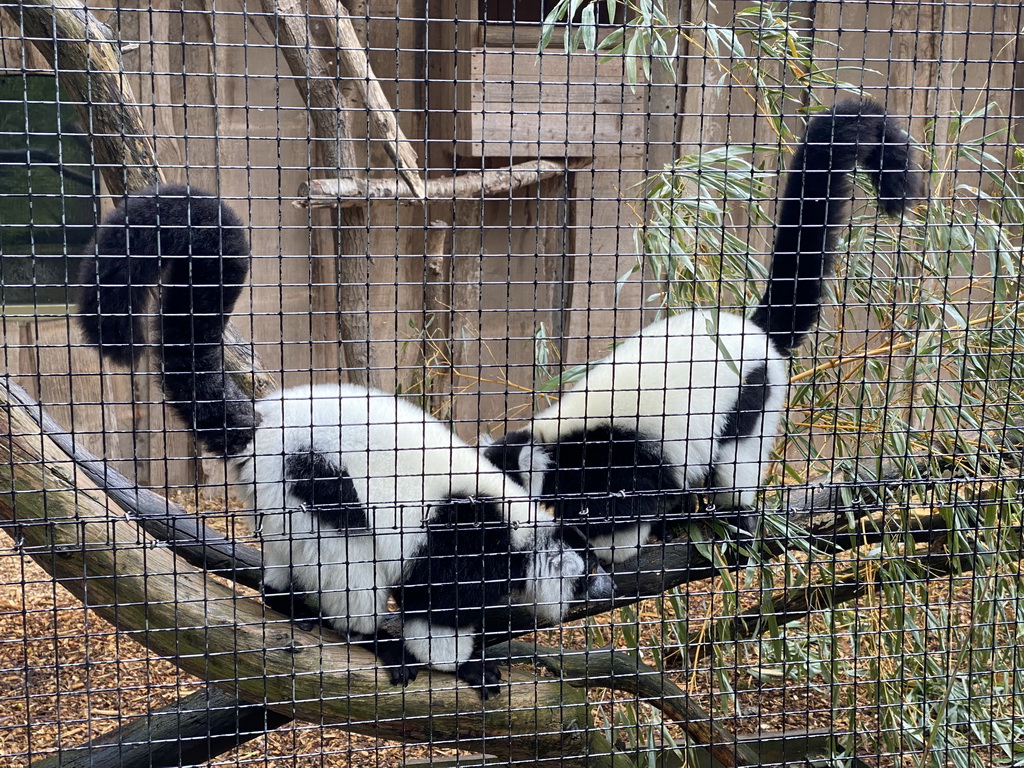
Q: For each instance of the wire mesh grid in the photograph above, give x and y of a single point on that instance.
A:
(343, 447)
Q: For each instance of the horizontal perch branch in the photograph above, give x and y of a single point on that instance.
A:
(821, 509)
(62, 520)
(338, 33)
(345, 193)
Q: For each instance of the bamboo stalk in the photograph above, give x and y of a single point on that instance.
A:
(62, 520)
(354, 66)
(347, 193)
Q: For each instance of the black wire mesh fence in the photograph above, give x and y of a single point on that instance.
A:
(494, 383)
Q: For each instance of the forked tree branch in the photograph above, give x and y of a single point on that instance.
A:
(338, 33)
(659, 567)
(617, 671)
(62, 520)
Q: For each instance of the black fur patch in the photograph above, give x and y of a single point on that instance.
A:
(750, 404)
(607, 478)
(504, 453)
(193, 248)
(326, 489)
(466, 564)
(815, 205)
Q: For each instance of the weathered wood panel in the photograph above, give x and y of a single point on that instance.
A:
(231, 117)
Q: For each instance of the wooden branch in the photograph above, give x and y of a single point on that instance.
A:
(191, 730)
(820, 509)
(437, 305)
(346, 193)
(796, 604)
(354, 66)
(608, 668)
(79, 48)
(62, 521)
(161, 518)
(330, 118)
(85, 60)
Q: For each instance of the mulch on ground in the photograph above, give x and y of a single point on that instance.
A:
(66, 676)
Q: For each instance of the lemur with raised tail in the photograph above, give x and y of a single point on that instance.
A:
(693, 402)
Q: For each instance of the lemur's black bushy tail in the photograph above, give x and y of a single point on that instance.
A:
(190, 250)
(816, 204)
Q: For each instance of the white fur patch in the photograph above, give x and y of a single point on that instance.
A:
(440, 647)
(534, 462)
(621, 545)
(551, 581)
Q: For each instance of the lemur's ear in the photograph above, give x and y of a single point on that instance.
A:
(504, 453)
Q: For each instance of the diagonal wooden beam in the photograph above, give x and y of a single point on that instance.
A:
(338, 33)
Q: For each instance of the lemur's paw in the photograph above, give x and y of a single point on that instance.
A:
(392, 654)
(483, 675)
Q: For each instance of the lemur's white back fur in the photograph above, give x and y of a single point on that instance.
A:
(675, 384)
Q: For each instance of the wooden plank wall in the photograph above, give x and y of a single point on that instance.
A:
(227, 115)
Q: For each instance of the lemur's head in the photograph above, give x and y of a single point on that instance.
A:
(563, 571)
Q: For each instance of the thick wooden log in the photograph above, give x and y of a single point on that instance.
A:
(62, 520)
(346, 193)
(339, 34)
(161, 518)
(189, 731)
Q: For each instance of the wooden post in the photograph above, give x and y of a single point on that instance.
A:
(349, 240)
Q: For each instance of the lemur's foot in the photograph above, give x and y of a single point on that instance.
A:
(392, 654)
(480, 674)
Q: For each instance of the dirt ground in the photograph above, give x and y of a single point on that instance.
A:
(66, 677)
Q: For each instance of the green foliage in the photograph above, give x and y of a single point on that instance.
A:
(937, 374)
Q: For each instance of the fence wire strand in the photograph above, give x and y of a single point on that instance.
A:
(511, 383)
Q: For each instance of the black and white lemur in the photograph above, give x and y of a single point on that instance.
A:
(359, 496)
(693, 402)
